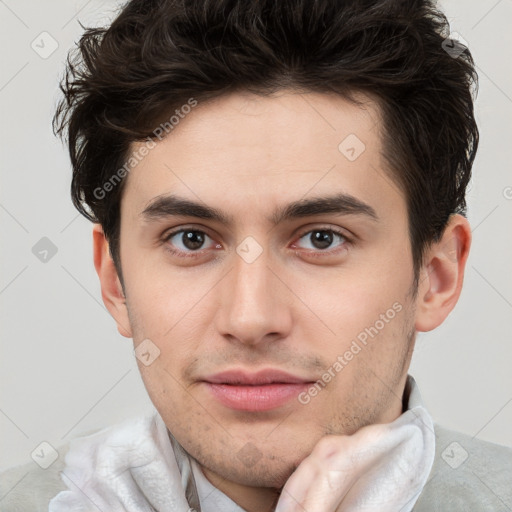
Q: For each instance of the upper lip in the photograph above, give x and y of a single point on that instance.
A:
(245, 378)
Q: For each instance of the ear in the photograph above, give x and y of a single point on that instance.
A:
(442, 274)
(111, 289)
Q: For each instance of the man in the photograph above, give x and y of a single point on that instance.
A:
(278, 192)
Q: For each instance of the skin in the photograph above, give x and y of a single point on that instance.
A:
(248, 155)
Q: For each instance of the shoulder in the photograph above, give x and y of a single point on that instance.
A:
(28, 487)
(468, 474)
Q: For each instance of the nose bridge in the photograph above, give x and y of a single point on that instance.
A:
(252, 305)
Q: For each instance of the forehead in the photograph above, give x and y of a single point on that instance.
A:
(246, 153)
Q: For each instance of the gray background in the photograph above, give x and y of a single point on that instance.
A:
(64, 368)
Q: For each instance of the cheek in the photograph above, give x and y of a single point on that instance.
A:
(159, 304)
(369, 320)
(351, 305)
(165, 387)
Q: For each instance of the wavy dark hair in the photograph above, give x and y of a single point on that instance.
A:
(157, 54)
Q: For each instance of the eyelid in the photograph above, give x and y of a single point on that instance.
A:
(167, 235)
(325, 253)
(347, 235)
(349, 239)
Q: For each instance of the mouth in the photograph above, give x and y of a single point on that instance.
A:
(260, 391)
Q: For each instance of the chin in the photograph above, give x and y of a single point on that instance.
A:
(252, 466)
(268, 474)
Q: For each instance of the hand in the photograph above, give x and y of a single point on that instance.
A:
(380, 468)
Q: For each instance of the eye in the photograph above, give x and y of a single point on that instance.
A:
(322, 238)
(186, 242)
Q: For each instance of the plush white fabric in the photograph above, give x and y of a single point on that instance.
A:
(132, 467)
(129, 468)
(384, 471)
(211, 498)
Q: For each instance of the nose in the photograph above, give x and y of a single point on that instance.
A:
(255, 306)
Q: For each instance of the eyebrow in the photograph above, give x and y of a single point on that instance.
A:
(341, 204)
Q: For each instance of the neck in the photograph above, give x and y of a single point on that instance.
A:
(264, 499)
(251, 499)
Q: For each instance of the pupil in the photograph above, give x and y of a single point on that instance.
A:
(193, 239)
(322, 238)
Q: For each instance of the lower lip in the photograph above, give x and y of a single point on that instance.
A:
(256, 398)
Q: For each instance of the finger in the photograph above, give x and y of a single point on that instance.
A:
(294, 491)
(317, 486)
(323, 493)
(323, 479)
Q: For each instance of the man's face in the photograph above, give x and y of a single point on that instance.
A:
(253, 295)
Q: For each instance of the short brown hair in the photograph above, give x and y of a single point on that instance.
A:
(157, 54)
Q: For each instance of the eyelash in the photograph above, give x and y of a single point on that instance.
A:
(319, 253)
(315, 254)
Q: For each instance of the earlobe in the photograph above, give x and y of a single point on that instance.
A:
(111, 289)
(442, 274)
